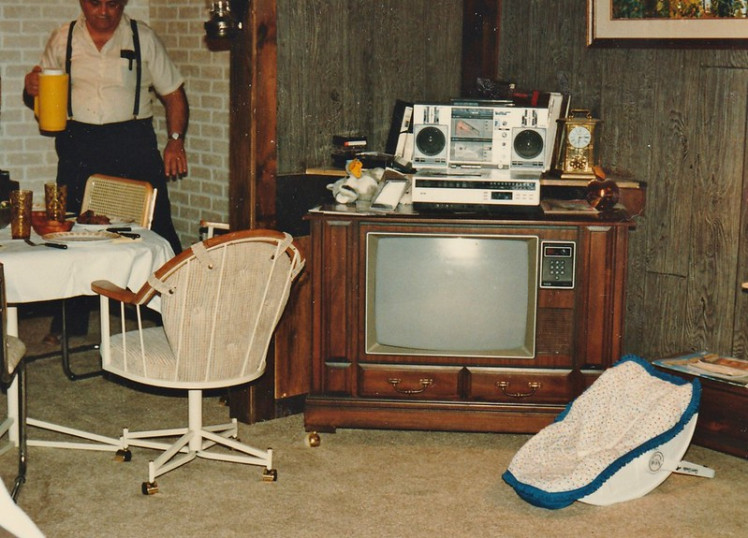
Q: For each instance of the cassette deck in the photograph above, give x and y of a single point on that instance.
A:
(483, 187)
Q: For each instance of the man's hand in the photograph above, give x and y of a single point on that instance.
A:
(175, 158)
(31, 82)
(177, 112)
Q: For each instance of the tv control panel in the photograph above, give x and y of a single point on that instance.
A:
(557, 264)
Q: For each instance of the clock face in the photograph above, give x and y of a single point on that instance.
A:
(580, 137)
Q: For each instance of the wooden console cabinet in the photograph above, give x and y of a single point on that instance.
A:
(579, 335)
(723, 415)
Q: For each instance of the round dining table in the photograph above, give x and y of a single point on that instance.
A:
(41, 273)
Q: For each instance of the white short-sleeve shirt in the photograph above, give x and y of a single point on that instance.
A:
(103, 82)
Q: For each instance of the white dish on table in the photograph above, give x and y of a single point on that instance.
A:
(84, 237)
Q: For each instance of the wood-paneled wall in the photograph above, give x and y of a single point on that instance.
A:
(343, 63)
(675, 118)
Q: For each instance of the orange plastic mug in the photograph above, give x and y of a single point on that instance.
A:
(51, 105)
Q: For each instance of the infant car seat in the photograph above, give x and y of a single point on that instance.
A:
(617, 441)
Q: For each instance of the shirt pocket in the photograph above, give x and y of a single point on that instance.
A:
(116, 73)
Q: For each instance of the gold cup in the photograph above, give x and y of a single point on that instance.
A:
(51, 105)
(20, 214)
(55, 201)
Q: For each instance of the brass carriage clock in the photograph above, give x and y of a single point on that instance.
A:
(577, 151)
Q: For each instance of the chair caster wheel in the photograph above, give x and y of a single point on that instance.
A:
(123, 455)
(269, 475)
(149, 488)
(312, 440)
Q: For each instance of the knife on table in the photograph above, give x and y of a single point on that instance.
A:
(50, 245)
(124, 232)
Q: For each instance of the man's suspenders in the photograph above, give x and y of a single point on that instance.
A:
(138, 68)
(68, 55)
(138, 71)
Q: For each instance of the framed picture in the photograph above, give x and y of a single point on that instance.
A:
(687, 22)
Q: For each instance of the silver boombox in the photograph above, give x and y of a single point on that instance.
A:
(502, 137)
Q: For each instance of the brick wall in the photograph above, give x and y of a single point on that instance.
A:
(25, 26)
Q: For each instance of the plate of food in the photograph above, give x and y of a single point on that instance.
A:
(89, 220)
(80, 237)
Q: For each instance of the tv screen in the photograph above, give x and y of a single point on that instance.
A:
(451, 295)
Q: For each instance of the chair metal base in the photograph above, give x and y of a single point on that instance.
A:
(15, 424)
(66, 351)
(94, 441)
(17, 436)
(194, 442)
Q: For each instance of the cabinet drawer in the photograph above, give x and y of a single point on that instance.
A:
(511, 385)
(409, 382)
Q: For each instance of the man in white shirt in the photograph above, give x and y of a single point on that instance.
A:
(113, 63)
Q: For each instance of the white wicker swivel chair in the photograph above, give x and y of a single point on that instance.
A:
(220, 303)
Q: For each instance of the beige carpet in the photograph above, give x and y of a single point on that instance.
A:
(359, 483)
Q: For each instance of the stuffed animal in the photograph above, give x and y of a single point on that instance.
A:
(359, 184)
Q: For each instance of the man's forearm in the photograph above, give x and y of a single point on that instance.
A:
(177, 111)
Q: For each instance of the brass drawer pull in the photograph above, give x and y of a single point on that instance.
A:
(533, 385)
(425, 383)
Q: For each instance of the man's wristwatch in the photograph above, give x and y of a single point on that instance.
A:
(176, 136)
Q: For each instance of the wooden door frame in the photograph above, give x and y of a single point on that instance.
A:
(253, 162)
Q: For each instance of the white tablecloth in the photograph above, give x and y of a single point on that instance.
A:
(41, 273)
(38, 273)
